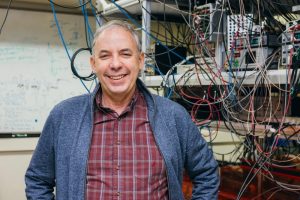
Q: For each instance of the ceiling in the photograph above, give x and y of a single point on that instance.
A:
(62, 2)
(132, 6)
(42, 5)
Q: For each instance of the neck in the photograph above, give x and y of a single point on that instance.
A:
(118, 103)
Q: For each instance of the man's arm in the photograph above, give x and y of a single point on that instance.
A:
(40, 175)
(201, 166)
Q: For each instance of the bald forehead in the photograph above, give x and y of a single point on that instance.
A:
(123, 26)
(109, 30)
(114, 28)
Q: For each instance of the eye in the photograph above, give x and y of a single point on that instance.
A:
(126, 54)
(103, 56)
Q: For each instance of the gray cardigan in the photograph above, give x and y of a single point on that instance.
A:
(60, 158)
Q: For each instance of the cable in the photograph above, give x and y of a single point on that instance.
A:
(90, 77)
(63, 41)
(6, 14)
(88, 32)
(69, 7)
(254, 112)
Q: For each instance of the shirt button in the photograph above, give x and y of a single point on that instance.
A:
(118, 193)
(117, 167)
(118, 142)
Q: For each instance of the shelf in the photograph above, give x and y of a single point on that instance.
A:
(135, 7)
(296, 9)
(192, 79)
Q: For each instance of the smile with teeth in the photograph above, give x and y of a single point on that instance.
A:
(117, 77)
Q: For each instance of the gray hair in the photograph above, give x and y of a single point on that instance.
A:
(122, 24)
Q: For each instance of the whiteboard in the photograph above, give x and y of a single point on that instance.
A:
(35, 70)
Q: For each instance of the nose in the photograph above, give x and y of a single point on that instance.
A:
(116, 63)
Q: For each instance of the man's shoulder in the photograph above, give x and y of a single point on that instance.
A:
(168, 105)
(72, 103)
(164, 100)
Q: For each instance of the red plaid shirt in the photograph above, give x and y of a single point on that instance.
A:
(124, 160)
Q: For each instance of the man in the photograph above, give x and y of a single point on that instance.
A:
(119, 142)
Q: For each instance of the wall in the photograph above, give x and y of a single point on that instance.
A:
(35, 68)
(15, 155)
(35, 75)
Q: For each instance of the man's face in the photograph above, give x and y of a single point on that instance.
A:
(116, 62)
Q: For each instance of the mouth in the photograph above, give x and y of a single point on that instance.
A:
(118, 77)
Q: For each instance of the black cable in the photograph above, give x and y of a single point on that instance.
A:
(165, 28)
(190, 102)
(69, 7)
(7, 10)
(86, 28)
(172, 35)
(90, 77)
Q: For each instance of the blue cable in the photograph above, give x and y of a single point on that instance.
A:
(62, 39)
(89, 33)
(94, 13)
(170, 93)
(148, 33)
(232, 97)
(59, 30)
(156, 69)
(230, 67)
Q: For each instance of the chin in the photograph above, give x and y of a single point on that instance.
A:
(121, 89)
(118, 91)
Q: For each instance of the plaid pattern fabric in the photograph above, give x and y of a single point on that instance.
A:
(124, 160)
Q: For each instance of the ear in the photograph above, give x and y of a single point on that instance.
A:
(142, 60)
(92, 63)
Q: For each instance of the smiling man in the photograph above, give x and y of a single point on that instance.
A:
(121, 141)
(117, 60)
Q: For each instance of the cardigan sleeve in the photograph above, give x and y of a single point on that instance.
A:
(40, 175)
(201, 165)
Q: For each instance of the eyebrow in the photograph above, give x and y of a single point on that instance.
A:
(103, 51)
(126, 49)
(122, 51)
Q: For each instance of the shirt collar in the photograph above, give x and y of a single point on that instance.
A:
(106, 110)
